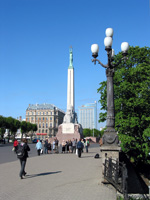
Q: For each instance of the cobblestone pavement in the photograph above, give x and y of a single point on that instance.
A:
(55, 177)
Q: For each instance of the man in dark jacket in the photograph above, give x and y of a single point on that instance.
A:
(23, 160)
(46, 146)
(79, 147)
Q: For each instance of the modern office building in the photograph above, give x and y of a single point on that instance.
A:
(88, 115)
(47, 117)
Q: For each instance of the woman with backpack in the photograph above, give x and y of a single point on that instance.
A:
(22, 154)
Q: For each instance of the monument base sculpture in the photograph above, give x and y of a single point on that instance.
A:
(68, 131)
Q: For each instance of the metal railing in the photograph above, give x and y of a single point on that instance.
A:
(115, 173)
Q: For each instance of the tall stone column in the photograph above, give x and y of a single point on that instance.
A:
(70, 85)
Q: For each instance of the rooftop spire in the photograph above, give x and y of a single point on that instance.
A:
(71, 58)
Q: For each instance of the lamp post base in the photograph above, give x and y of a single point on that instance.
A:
(110, 137)
(110, 148)
(108, 152)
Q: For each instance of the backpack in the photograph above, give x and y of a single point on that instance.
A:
(79, 145)
(96, 156)
(20, 151)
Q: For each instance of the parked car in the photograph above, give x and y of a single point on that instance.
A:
(34, 140)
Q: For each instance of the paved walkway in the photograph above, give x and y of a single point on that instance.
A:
(56, 177)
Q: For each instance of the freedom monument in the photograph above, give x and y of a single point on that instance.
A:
(70, 128)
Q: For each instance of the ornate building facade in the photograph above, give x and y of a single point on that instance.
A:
(47, 117)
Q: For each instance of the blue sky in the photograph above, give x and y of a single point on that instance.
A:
(35, 36)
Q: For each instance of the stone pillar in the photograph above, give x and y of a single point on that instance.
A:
(110, 152)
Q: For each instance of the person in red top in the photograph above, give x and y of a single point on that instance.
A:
(16, 145)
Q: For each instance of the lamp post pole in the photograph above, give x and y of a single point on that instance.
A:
(110, 136)
(93, 129)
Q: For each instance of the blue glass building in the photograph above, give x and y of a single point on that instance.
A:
(88, 115)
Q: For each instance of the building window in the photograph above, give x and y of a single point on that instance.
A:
(28, 113)
(47, 113)
(46, 125)
(39, 131)
(46, 131)
(40, 125)
(43, 125)
(50, 125)
(43, 118)
(40, 113)
(42, 130)
(50, 118)
(46, 118)
(40, 118)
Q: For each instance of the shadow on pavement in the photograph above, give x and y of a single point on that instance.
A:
(41, 174)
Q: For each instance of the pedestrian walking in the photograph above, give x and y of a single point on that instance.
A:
(74, 143)
(46, 146)
(67, 146)
(38, 147)
(63, 146)
(80, 148)
(87, 143)
(24, 148)
(70, 146)
(15, 145)
(49, 147)
(83, 142)
(54, 146)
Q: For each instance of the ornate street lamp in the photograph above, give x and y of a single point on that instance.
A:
(110, 136)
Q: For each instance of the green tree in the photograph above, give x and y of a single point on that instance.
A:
(2, 132)
(89, 132)
(24, 128)
(86, 132)
(13, 125)
(2, 126)
(132, 102)
(97, 133)
(29, 127)
(34, 128)
(2, 121)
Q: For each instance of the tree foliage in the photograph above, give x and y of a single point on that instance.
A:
(132, 102)
(13, 125)
(89, 132)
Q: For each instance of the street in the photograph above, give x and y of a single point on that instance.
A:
(7, 155)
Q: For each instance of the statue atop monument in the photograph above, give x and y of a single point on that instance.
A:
(71, 59)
